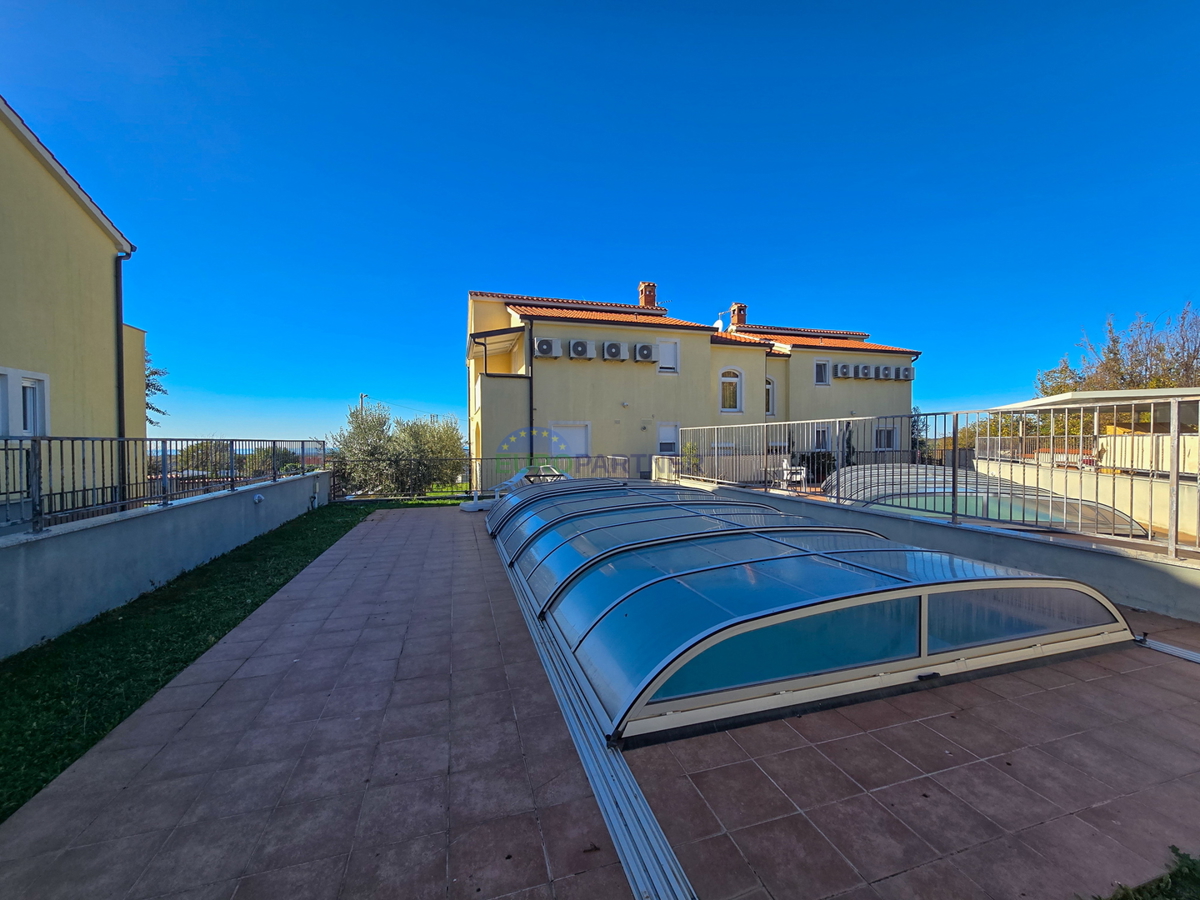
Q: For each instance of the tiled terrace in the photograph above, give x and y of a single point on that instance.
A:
(382, 728)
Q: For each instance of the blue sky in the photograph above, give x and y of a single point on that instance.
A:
(314, 187)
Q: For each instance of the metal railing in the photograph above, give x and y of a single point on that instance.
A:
(403, 477)
(1120, 470)
(46, 481)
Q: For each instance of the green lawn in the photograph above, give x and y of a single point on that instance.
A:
(61, 697)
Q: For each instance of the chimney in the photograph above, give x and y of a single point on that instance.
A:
(646, 291)
(737, 314)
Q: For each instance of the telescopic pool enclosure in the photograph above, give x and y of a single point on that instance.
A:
(674, 608)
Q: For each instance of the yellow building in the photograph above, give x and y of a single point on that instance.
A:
(553, 377)
(69, 365)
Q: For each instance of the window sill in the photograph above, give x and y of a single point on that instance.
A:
(733, 412)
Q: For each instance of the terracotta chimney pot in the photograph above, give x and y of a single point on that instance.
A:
(646, 291)
(737, 314)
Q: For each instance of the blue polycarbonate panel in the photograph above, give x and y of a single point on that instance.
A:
(969, 618)
(567, 529)
(531, 518)
(652, 626)
(925, 566)
(599, 585)
(577, 552)
(527, 491)
(846, 638)
(832, 541)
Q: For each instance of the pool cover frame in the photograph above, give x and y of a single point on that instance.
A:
(640, 715)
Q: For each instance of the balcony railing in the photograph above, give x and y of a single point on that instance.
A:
(46, 481)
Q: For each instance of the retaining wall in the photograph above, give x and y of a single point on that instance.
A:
(64, 576)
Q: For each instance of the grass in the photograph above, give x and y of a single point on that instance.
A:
(1182, 882)
(59, 698)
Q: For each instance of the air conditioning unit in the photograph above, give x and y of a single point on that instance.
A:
(645, 352)
(883, 372)
(582, 349)
(547, 347)
(842, 370)
(863, 371)
(616, 350)
(906, 373)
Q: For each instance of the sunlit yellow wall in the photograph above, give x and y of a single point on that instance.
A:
(135, 382)
(845, 396)
(57, 294)
(624, 402)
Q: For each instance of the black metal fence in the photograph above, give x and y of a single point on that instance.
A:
(446, 477)
(46, 481)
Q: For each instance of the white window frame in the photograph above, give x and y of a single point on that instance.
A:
(821, 438)
(667, 370)
(12, 406)
(889, 430)
(828, 372)
(741, 390)
(588, 432)
(772, 396)
(659, 442)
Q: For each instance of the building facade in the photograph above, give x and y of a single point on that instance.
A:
(69, 365)
(553, 377)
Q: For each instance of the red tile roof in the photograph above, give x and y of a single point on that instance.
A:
(608, 318)
(585, 304)
(781, 329)
(730, 337)
(793, 340)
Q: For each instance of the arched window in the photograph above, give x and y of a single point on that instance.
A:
(770, 396)
(731, 390)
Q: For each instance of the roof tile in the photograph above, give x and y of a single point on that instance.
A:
(610, 318)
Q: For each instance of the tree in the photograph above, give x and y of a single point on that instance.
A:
(378, 454)
(154, 388)
(1143, 355)
(259, 463)
(209, 458)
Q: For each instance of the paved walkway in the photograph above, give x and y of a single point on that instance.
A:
(381, 727)
(1037, 785)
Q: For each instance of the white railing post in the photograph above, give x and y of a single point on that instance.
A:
(1173, 482)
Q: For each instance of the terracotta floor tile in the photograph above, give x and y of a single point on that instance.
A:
(972, 734)
(707, 751)
(1004, 800)
(1021, 723)
(317, 880)
(926, 749)
(654, 761)
(478, 795)
(808, 777)
(794, 860)
(716, 868)
(415, 869)
(1104, 763)
(938, 880)
(741, 794)
(400, 812)
(937, 816)
(1008, 685)
(824, 726)
(874, 714)
(1045, 677)
(681, 811)
(1063, 708)
(867, 761)
(922, 704)
(766, 738)
(1012, 871)
(210, 851)
(108, 869)
(411, 759)
(876, 842)
(965, 694)
(576, 837)
(1133, 740)
(1052, 778)
(608, 883)
(499, 857)
(1097, 863)
(301, 832)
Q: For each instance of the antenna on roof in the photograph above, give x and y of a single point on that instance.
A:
(719, 324)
